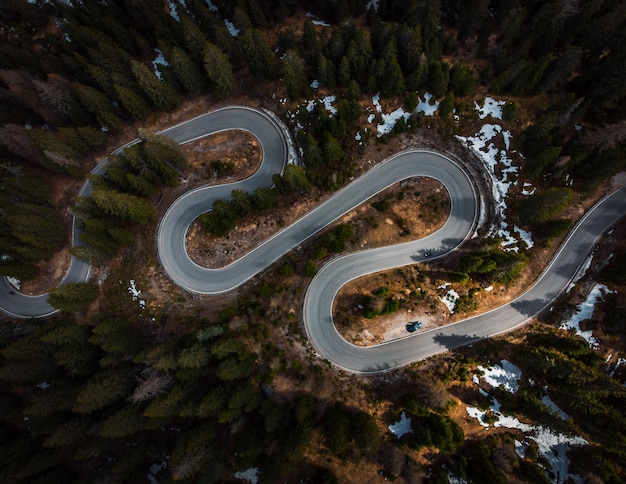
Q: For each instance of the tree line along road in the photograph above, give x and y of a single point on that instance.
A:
(319, 297)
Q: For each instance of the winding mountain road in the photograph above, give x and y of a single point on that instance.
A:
(318, 302)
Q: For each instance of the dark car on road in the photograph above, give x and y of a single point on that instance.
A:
(414, 326)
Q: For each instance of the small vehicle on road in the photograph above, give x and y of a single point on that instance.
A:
(413, 326)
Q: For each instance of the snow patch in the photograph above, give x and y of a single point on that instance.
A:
(155, 469)
(292, 156)
(390, 120)
(159, 61)
(553, 446)
(491, 107)
(618, 363)
(401, 427)
(528, 189)
(503, 175)
(506, 375)
(250, 475)
(315, 84)
(14, 281)
(232, 30)
(548, 402)
(581, 272)
(425, 106)
(449, 298)
(372, 4)
(135, 293)
(316, 21)
(173, 11)
(585, 311)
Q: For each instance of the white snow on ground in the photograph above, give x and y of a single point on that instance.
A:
(328, 104)
(212, 7)
(553, 446)
(326, 101)
(232, 30)
(425, 106)
(15, 282)
(452, 479)
(155, 469)
(491, 107)
(401, 427)
(43, 385)
(376, 103)
(389, 121)
(520, 449)
(250, 475)
(503, 174)
(173, 11)
(506, 375)
(525, 236)
(585, 311)
(315, 84)
(316, 21)
(548, 402)
(618, 363)
(450, 297)
(159, 61)
(292, 155)
(372, 4)
(528, 189)
(133, 291)
(581, 271)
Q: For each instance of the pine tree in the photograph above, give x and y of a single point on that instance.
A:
(101, 390)
(132, 102)
(264, 198)
(157, 90)
(447, 105)
(193, 39)
(258, 54)
(186, 71)
(194, 357)
(309, 35)
(393, 82)
(124, 206)
(359, 55)
(125, 422)
(73, 297)
(343, 74)
(295, 78)
(218, 69)
(67, 433)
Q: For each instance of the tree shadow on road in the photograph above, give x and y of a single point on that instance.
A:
(453, 341)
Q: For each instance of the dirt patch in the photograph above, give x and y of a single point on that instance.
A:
(51, 272)
(418, 290)
(221, 158)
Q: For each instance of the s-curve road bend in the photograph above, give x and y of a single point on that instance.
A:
(190, 276)
(273, 142)
(321, 293)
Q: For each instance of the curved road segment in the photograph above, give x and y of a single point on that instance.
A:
(318, 302)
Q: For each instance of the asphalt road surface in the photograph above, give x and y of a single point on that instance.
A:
(317, 312)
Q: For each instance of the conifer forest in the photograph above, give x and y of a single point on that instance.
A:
(135, 379)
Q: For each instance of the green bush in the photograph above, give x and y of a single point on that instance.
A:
(310, 269)
(458, 277)
(544, 206)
